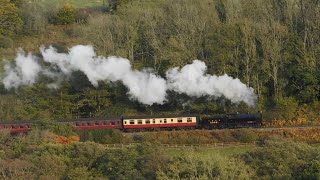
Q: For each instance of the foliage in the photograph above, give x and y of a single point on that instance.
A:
(287, 107)
(35, 18)
(38, 155)
(5, 42)
(66, 15)
(56, 127)
(245, 135)
(10, 20)
(277, 159)
(272, 47)
(102, 136)
(215, 167)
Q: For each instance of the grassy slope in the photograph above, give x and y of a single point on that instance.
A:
(79, 3)
(208, 152)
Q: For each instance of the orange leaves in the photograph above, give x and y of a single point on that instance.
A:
(66, 140)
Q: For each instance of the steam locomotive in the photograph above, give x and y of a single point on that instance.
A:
(142, 123)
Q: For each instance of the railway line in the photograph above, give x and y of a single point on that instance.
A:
(256, 129)
(135, 124)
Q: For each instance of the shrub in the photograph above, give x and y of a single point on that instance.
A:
(5, 42)
(286, 108)
(63, 129)
(35, 19)
(280, 159)
(245, 135)
(66, 15)
(102, 136)
(199, 167)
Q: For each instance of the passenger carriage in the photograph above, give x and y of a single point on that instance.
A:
(161, 122)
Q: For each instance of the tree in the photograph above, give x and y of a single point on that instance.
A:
(35, 18)
(301, 72)
(10, 20)
(273, 46)
(66, 15)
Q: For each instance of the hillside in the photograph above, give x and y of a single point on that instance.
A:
(270, 46)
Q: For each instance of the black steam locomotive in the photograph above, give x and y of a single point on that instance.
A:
(235, 120)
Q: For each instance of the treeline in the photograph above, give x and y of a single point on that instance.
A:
(38, 156)
(270, 45)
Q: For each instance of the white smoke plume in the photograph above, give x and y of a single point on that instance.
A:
(192, 80)
(24, 73)
(144, 86)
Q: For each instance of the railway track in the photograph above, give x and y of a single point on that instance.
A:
(257, 129)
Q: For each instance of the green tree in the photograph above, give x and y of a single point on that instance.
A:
(118, 164)
(66, 15)
(10, 20)
(301, 72)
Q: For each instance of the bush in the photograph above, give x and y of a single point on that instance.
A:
(140, 162)
(66, 15)
(35, 19)
(63, 129)
(5, 42)
(105, 136)
(286, 108)
(279, 159)
(199, 167)
(245, 135)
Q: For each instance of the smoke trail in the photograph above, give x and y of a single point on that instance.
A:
(192, 80)
(25, 71)
(144, 86)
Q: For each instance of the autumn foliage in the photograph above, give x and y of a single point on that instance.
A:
(67, 140)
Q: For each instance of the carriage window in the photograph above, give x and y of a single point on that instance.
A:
(189, 119)
(21, 126)
(139, 121)
(118, 122)
(171, 120)
(78, 124)
(96, 123)
(113, 123)
(104, 122)
(154, 121)
(165, 121)
(89, 123)
(148, 121)
(131, 121)
(125, 122)
(160, 121)
(179, 120)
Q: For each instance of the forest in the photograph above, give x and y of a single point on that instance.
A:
(271, 46)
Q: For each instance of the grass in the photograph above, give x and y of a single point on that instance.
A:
(208, 152)
(78, 3)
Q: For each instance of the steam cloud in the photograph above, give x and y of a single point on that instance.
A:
(144, 86)
(193, 81)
